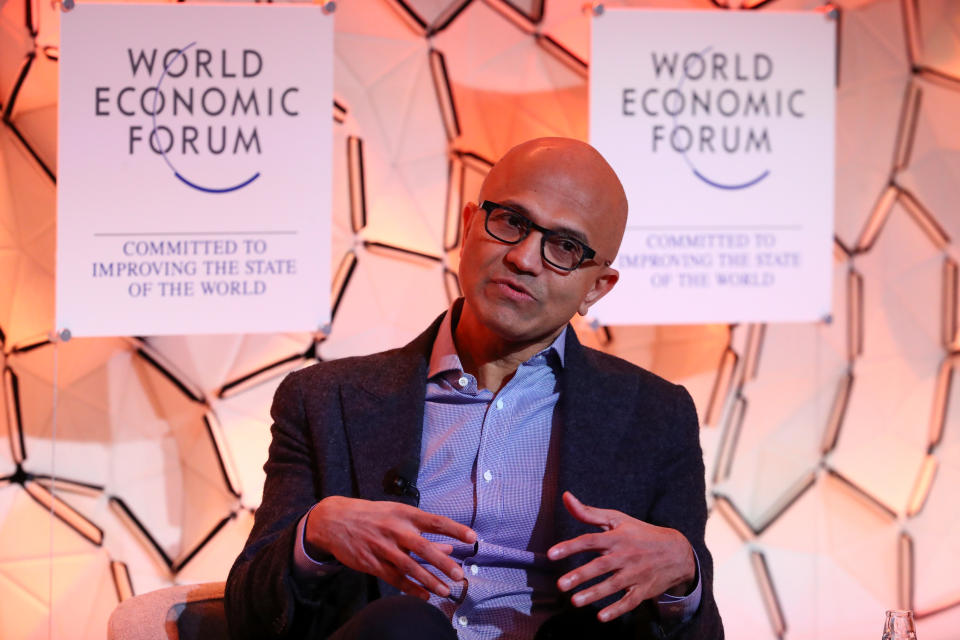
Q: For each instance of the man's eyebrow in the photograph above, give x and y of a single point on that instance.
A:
(567, 231)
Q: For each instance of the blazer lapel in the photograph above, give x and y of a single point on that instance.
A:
(593, 419)
(383, 414)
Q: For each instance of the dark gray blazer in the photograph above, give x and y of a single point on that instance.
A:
(629, 441)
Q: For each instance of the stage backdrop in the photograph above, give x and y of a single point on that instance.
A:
(720, 125)
(832, 448)
(194, 169)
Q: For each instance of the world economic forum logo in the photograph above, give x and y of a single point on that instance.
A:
(717, 110)
(201, 110)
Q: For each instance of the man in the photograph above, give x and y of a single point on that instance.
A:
(511, 482)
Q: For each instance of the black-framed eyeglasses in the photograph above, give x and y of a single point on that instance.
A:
(557, 248)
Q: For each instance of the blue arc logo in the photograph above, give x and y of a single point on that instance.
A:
(163, 153)
(699, 174)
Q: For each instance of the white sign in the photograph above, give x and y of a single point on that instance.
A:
(194, 173)
(721, 126)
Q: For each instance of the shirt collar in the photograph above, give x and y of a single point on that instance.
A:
(443, 356)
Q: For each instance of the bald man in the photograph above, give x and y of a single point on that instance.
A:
(493, 478)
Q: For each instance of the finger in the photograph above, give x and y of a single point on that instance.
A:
(628, 602)
(432, 523)
(601, 590)
(591, 515)
(586, 542)
(436, 555)
(407, 566)
(593, 569)
(417, 543)
(394, 577)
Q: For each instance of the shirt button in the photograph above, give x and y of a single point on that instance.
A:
(487, 475)
(474, 569)
(463, 381)
(499, 404)
(462, 620)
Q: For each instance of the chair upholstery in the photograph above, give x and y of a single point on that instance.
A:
(184, 612)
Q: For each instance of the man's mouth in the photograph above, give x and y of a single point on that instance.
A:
(513, 289)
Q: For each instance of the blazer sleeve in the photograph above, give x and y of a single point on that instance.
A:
(262, 598)
(680, 503)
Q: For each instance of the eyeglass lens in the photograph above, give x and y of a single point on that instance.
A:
(559, 250)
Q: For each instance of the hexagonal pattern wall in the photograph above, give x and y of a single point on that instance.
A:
(832, 449)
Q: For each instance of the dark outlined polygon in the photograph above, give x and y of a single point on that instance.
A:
(676, 352)
(219, 551)
(125, 423)
(243, 415)
(16, 45)
(566, 23)
(375, 312)
(931, 170)
(532, 10)
(467, 171)
(832, 535)
(27, 205)
(934, 519)
(432, 16)
(204, 364)
(32, 112)
(397, 153)
(506, 87)
(441, 82)
(874, 74)
(745, 604)
(883, 439)
(775, 430)
(83, 587)
(937, 37)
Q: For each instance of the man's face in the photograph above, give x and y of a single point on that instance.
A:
(509, 288)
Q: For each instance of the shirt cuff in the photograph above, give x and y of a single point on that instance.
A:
(677, 609)
(305, 567)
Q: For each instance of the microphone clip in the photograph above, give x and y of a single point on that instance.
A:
(396, 482)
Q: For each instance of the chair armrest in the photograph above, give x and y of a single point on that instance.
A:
(157, 615)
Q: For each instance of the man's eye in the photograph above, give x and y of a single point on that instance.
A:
(567, 245)
(511, 219)
(515, 220)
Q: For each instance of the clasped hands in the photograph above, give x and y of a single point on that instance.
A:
(378, 538)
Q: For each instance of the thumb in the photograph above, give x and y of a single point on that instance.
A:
(585, 513)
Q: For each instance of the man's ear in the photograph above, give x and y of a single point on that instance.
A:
(469, 210)
(601, 287)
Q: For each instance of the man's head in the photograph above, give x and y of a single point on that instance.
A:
(559, 184)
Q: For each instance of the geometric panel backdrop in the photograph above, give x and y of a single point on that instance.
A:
(832, 449)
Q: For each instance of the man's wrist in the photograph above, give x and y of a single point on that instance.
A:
(686, 587)
(675, 606)
(314, 552)
(307, 568)
(688, 581)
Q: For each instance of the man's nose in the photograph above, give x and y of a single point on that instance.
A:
(525, 255)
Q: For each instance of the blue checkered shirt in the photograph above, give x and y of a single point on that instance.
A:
(485, 461)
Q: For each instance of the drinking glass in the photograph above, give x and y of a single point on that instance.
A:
(899, 626)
